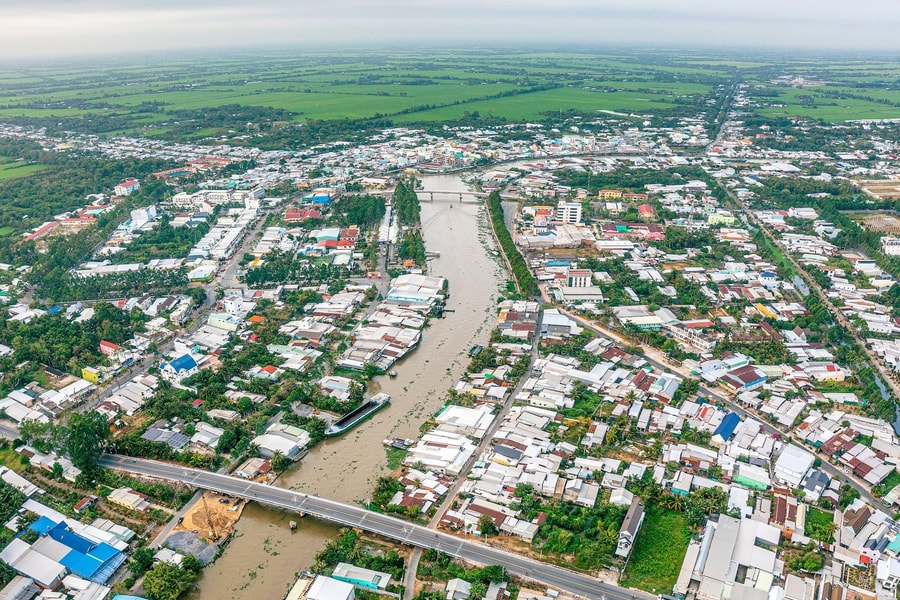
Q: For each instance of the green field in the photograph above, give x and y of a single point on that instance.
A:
(191, 98)
(658, 552)
(408, 87)
(16, 169)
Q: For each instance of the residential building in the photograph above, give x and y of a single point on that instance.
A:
(630, 526)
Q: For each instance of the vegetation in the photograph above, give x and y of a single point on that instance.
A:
(66, 179)
(350, 548)
(364, 211)
(524, 279)
(164, 241)
(86, 437)
(658, 551)
(412, 247)
(64, 344)
(585, 537)
(406, 203)
(820, 525)
(280, 267)
(168, 582)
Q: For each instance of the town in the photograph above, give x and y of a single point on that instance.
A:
(625, 358)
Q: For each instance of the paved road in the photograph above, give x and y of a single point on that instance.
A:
(8, 430)
(450, 497)
(581, 585)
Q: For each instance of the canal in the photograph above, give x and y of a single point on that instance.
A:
(264, 556)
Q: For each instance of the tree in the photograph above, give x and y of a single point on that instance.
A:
(141, 561)
(167, 582)
(280, 462)
(86, 439)
(487, 526)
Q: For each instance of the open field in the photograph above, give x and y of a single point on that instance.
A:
(409, 87)
(197, 97)
(658, 552)
(15, 169)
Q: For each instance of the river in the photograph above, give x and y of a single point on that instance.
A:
(264, 556)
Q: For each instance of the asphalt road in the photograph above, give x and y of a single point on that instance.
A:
(581, 585)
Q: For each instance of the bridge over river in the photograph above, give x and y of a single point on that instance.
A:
(377, 523)
(448, 195)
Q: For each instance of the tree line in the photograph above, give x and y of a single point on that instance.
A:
(524, 279)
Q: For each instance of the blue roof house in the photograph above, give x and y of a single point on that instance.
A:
(725, 429)
(180, 368)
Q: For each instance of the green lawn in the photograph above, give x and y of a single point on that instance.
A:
(820, 525)
(658, 552)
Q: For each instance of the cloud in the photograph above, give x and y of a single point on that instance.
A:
(44, 28)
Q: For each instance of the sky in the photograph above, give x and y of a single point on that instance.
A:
(74, 28)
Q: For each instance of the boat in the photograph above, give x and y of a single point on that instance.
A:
(399, 443)
(355, 417)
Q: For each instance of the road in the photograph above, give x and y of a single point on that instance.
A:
(581, 585)
(449, 498)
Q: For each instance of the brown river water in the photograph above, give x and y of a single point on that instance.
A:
(263, 558)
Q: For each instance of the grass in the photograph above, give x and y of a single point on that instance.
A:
(889, 483)
(395, 457)
(658, 552)
(16, 170)
(820, 525)
(423, 86)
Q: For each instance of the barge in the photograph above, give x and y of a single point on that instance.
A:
(355, 417)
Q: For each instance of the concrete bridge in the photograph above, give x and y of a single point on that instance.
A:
(583, 586)
(448, 196)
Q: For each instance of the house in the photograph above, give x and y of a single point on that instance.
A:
(108, 348)
(127, 187)
(360, 577)
(326, 588)
(128, 498)
(178, 369)
(630, 526)
(458, 589)
(743, 379)
(792, 465)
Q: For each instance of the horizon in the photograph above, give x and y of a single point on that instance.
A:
(696, 53)
(57, 29)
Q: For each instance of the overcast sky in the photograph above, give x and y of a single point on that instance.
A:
(49, 28)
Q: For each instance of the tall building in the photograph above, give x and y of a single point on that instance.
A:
(568, 212)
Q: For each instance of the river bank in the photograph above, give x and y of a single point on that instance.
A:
(264, 555)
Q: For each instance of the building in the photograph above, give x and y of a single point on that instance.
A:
(580, 278)
(128, 498)
(180, 368)
(890, 246)
(365, 578)
(568, 212)
(792, 466)
(630, 526)
(735, 559)
(127, 187)
(326, 588)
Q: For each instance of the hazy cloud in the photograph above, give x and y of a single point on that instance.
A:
(43, 28)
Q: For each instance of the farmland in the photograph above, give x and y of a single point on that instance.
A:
(407, 87)
(260, 96)
(10, 169)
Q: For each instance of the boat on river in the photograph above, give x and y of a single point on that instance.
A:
(360, 414)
